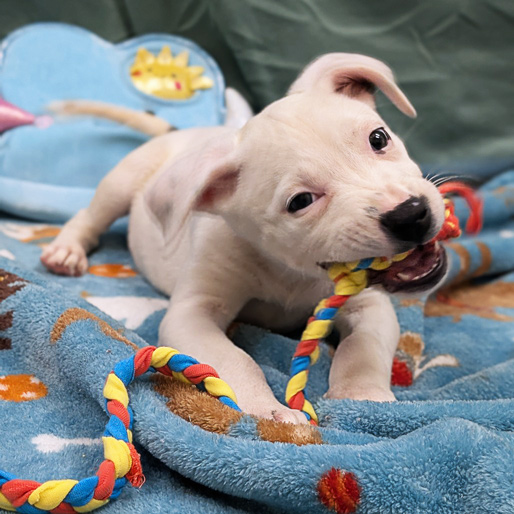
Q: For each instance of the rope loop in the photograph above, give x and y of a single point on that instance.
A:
(122, 462)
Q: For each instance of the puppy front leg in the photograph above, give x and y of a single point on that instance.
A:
(67, 254)
(196, 327)
(361, 368)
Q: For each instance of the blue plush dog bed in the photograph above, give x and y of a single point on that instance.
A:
(48, 173)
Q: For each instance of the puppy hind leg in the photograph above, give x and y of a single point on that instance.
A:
(67, 254)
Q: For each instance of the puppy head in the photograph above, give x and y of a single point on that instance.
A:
(319, 177)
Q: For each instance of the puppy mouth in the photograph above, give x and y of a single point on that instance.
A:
(421, 270)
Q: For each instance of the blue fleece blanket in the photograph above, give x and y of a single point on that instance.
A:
(447, 445)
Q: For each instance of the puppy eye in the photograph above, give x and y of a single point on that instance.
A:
(300, 201)
(379, 139)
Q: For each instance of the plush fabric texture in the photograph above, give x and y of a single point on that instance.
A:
(446, 446)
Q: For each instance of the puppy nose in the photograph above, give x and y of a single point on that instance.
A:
(410, 221)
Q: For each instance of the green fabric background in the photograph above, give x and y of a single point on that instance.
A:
(453, 58)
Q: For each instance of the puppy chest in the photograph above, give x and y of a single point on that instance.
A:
(295, 294)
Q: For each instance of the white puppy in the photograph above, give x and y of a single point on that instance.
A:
(241, 224)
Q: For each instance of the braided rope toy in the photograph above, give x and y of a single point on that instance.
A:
(122, 464)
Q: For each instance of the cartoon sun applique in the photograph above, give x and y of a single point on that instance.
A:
(166, 76)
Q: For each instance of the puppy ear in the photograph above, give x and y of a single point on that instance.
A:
(353, 75)
(203, 179)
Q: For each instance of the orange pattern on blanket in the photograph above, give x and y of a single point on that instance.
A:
(411, 302)
(478, 300)
(21, 388)
(112, 271)
(486, 259)
(45, 232)
(75, 314)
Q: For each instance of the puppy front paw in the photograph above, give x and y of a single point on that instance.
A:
(277, 413)
(354, 392)
(68, 260)
(285, 415)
